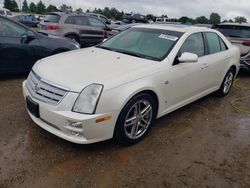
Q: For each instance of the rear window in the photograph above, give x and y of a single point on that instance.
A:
(53, 18)
(234, 31)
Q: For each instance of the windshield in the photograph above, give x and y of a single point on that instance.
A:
(154, 44)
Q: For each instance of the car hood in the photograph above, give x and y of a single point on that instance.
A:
(77, 69)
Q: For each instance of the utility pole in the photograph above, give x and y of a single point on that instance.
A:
(74, 5)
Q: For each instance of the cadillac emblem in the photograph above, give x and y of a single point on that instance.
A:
(37, 87)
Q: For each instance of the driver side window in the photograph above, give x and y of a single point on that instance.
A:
(10, 29)
(193, 44)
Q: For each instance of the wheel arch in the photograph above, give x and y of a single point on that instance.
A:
(149, 91)
(59, 50)
(72, 33)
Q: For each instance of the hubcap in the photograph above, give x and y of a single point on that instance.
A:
(228, 82)
(138, 119)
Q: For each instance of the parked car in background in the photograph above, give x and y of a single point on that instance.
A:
(82, 28)
(167, 23)
(26, 19)
(162, 19)
(123, 28)
(6, 12)
(100, 17)
(134, 18)
(104, 19)
(204, 25)
(116, 89)
(21, 47)
(239, 35)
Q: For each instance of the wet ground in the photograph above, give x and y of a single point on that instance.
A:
(205, 144)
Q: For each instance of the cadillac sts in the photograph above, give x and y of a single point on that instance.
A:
(116, 89)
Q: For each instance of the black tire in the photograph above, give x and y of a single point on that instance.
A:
(74, 38)
(121, 131)
(227, 82)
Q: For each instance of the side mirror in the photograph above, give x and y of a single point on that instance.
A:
(108, 22)
(27, 37)
(187, 57)
(30, 35)
(108, 28)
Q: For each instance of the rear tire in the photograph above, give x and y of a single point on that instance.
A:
(135, 120)
(74, 38)
(226, 84)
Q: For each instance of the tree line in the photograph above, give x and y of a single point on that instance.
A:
(113, 13)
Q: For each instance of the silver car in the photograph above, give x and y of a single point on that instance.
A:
(82, 28)
(239, 35)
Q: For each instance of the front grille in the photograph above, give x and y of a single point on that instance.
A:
(44, 91)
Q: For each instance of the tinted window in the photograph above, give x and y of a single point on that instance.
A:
(77, 20)
(213, 43)
(145, 43)
(53, 18)
(10, 29)
(2, 12)
(104, 19)
(70, 20)
(96, 23)
(193, 44)
(222, 45)
(235, 31)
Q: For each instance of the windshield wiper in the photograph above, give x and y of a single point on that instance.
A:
(138, 55)
(129, 53)
(105, 48)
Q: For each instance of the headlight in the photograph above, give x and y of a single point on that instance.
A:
(87, 99)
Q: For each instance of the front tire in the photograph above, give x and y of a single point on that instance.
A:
(135, 120)
(226, 84)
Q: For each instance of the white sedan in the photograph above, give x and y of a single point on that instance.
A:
(116, 89)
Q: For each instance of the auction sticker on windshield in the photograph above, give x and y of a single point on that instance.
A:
(169, 37)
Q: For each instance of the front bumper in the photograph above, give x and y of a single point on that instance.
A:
(74, 127)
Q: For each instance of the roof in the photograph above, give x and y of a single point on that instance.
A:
(173, 27)
(235, 24)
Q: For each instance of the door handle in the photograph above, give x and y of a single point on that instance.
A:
(204, 66)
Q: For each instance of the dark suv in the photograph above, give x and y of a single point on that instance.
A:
(134, 18)
(239, 35)
(86, 30)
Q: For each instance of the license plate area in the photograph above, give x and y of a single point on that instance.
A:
(33, 107)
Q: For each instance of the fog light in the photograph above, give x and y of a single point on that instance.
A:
(75, 128)
(77, 134)
(75, 124)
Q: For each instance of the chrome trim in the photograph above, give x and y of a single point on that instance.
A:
(44, 91)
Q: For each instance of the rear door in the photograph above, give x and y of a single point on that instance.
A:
(98, 29)
(16, 54)
(218, 58)
(80, 25)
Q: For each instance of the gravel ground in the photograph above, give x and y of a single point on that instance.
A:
(205, 144)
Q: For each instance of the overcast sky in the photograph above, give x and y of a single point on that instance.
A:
(228, 9)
